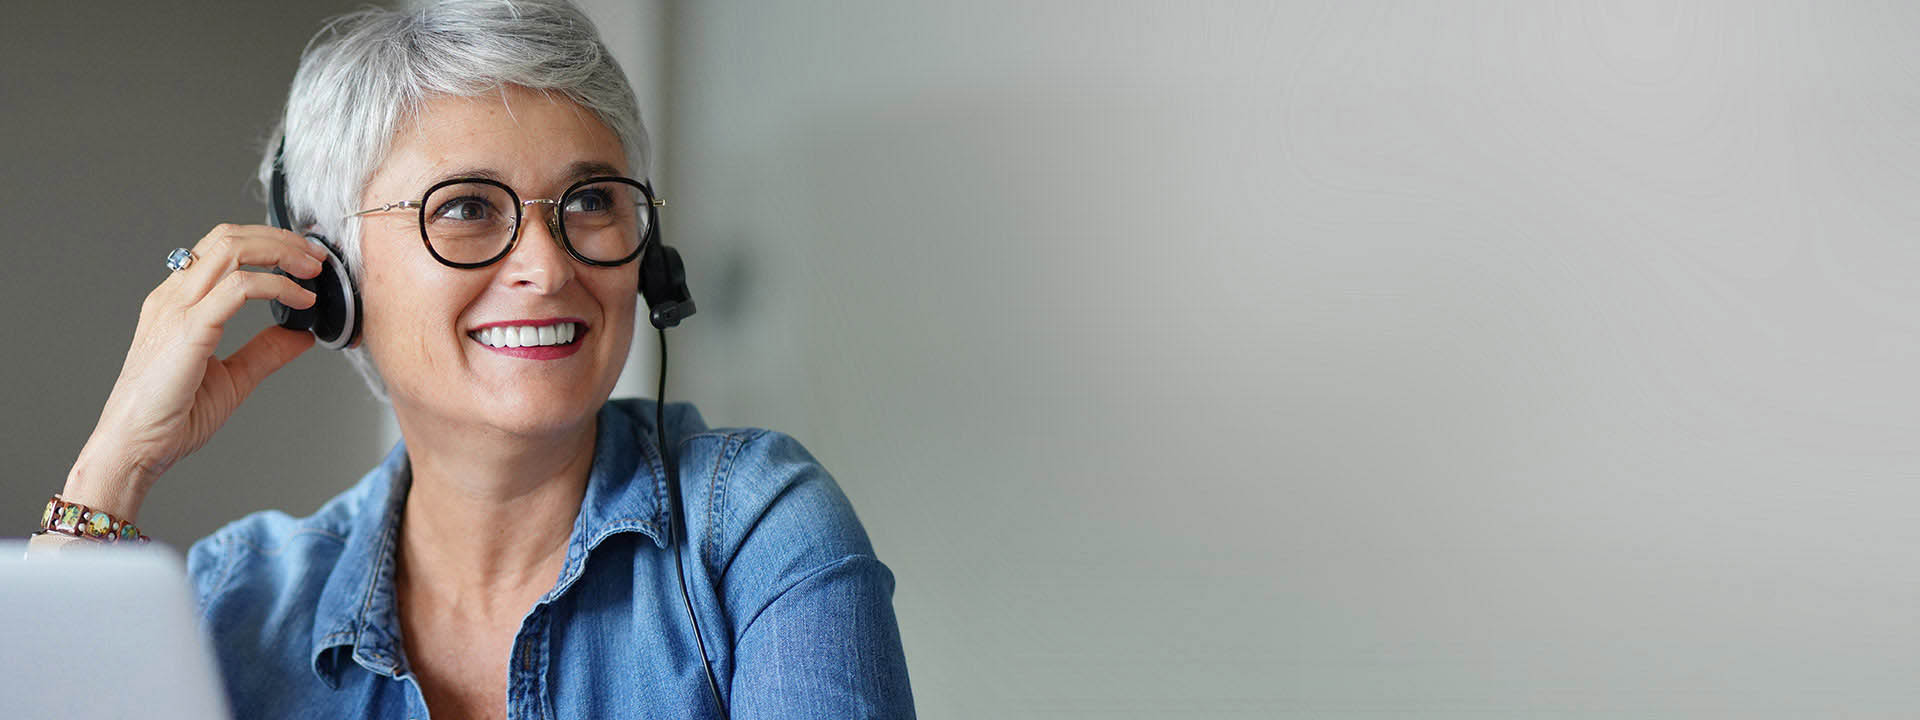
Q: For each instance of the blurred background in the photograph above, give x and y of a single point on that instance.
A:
(1309, 359)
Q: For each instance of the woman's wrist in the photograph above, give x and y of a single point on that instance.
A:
(108, 482)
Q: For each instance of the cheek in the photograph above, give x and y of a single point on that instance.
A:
(385, 333)
(620, 300)
(410, 318)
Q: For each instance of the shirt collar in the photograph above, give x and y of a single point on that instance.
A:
(357, 615)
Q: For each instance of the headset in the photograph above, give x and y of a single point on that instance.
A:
(335, 317)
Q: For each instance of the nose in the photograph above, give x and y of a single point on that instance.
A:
(538, 261)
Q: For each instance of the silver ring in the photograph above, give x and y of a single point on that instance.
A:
(179, 259)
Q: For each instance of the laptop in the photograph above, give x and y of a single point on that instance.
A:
(105, 632)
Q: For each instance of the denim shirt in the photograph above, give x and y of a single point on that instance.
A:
(795, 608)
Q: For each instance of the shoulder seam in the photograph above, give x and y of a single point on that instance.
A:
(290, 537)
(724, 433)
(809, 575)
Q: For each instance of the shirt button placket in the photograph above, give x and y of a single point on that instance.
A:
(525, 689)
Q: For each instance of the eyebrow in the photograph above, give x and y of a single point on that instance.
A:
(576, 171)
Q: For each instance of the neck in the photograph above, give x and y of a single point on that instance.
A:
(489, 514)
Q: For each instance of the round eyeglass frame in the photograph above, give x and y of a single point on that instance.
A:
(652, 203)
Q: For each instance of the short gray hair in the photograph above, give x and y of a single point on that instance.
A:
(367, 71)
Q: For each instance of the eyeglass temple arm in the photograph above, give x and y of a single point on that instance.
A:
(389, 206)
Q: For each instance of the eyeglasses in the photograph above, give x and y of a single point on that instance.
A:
(473, 222)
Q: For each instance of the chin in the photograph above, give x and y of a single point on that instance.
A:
(538, 411)
(526, 407)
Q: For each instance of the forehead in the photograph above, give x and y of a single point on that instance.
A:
(529, 139)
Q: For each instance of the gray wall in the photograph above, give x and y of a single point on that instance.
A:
(1334, 359)
(1185, 360)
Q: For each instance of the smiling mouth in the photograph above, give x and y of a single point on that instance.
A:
(526, 336)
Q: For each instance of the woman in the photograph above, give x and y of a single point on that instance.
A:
(515, 554)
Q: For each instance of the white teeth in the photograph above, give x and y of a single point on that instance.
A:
(526, 335)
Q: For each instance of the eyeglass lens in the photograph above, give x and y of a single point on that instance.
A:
(474, 222)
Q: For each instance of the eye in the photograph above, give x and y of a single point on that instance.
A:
(464, 209)
(591, 200)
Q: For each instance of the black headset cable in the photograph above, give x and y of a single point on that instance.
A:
(678, 521)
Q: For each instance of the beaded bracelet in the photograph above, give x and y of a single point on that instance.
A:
(70, 518)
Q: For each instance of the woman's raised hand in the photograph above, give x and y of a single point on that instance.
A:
(173, 393)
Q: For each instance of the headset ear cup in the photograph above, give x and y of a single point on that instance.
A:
(334, 318)
(293, 318)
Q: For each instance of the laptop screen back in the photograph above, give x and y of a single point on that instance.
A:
(103, 633)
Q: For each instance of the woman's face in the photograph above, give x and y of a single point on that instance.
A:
(422, 316)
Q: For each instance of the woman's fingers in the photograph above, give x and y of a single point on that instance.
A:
(227, 248)
(226, 298)
(269, 350)
(172, 393)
